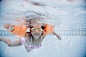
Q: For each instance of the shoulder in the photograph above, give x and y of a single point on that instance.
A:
(44, 34)
(27, 36)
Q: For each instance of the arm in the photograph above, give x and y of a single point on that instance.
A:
(44, 34)
(59, 37)
(14, 43)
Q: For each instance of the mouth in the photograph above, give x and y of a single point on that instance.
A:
(36, 34)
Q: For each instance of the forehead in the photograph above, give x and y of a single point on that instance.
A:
(37, 25)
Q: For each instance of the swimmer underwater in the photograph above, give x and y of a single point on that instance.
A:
(31, 35)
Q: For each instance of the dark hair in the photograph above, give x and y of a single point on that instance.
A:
(43, 27)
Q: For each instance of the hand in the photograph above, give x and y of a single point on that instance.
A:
(1, 38)
(59, 38)
(7, 26)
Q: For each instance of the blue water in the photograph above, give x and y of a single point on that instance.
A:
(67, 16)
(69, 46)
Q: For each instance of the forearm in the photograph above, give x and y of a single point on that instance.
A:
(58, 36)
(14, 43)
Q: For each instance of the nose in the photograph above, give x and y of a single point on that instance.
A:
(36, 30)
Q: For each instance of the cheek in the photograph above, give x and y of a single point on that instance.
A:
(32, 32)
(39, 32)
(35, 33)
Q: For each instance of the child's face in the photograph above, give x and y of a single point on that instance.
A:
(36, 31)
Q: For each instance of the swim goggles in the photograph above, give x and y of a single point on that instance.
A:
(35, 29)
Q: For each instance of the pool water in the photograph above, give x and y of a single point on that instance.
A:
(67, 16)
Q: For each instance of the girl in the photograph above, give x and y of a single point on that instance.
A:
(31, 36)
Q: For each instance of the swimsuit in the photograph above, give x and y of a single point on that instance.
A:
(29, 46)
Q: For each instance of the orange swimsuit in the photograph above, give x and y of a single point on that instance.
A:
(21, 30)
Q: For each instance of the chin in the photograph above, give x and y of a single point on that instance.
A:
(36, 36)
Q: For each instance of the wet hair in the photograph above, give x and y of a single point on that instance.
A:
(31, 26)
(41, 27)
